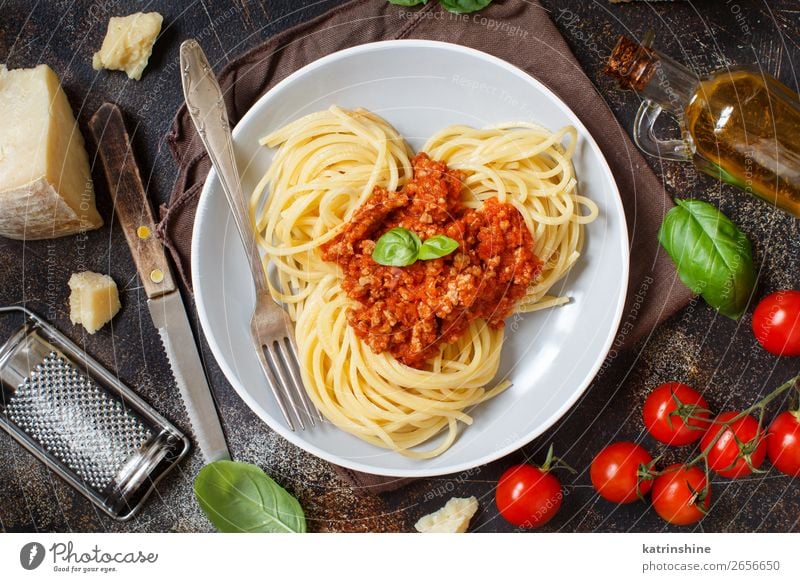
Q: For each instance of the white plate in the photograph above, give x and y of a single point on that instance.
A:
(421, 87)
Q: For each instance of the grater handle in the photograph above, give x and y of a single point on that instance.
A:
(7, 309)
(17, 308)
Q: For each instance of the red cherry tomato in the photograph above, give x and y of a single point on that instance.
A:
(662, 414)
(616, 472)
(776, 323)
(679, 493)
(783, 443)
(727, 457)
(528, 496)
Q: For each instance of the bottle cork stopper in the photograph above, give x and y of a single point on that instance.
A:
(631, 64)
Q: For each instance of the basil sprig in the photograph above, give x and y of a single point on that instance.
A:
(457, 6)
(713, 257)
(400, 247)
(240, 497)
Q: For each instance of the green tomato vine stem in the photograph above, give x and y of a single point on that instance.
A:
(759, 406)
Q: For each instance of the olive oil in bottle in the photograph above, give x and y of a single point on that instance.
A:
(739, 125)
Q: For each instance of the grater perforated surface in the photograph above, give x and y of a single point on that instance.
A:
(73, 419)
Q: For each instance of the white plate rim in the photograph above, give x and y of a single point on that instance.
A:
(294, 437)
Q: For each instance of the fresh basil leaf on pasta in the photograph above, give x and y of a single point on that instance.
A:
(713, 257)
(397, 248)
(408, 2)
(436, 247)
(400, 247)
(464, 6)
(241, 498)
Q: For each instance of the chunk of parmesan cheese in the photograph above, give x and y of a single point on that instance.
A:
(454, 517)
(128, 43)
(94, 300)
(46, 187)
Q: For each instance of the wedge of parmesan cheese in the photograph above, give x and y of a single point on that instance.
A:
(94, 300)
(46, 187)
(454, 517)
(128, 43)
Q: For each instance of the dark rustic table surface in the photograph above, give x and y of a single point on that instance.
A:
(697, 346)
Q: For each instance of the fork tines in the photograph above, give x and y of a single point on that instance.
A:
(279, 362)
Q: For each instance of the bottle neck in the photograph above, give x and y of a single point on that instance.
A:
(671, 85)
(654, 75)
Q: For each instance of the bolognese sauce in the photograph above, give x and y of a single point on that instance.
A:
(409, 311)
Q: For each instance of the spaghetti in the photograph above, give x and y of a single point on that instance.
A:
(327, 166)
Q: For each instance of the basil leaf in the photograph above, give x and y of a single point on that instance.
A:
(464, 6)
(436, 247)
(397, 248)
(240, 497)
(713, 257)
(408, 2)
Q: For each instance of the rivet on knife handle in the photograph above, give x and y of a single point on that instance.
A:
(126, 187)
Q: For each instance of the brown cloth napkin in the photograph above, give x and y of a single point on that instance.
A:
(654, 293)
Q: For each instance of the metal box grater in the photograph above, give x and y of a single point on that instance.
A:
(81, 421)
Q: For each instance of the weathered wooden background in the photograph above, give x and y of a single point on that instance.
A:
(713, 353)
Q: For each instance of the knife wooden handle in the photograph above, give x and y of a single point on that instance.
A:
(130, 200)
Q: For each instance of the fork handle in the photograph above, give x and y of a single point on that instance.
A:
(206, 107)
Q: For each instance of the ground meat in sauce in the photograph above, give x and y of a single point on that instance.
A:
(410, 310)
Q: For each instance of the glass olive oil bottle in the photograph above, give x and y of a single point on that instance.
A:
(739, 125)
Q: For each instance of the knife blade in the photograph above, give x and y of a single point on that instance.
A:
(163, 297)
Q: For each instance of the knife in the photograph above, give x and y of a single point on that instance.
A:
(163, 297)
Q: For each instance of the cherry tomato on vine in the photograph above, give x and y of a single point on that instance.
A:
(740, 448)
(667, 406)
(681, 495)
(619, 472)
(783, 443)
(776, 323)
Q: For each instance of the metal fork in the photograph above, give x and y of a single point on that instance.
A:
(271, 328)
